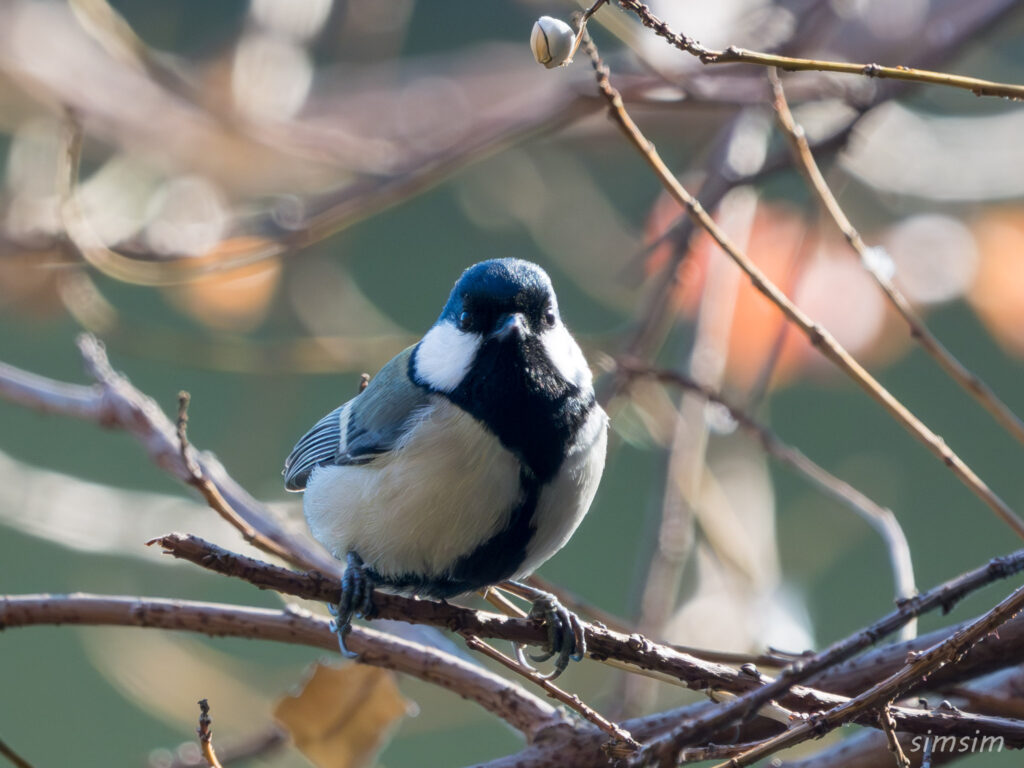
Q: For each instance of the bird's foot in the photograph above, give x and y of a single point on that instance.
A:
(356, 600)
(566, 637)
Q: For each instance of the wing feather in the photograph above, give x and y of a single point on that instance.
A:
(366, 427)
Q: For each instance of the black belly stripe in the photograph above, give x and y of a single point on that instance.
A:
(491, 562)
(519, 396)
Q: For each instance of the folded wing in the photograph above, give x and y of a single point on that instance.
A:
(368, 426)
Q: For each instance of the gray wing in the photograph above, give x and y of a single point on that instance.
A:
(367, 426)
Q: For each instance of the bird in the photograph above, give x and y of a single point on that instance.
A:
(467, 461)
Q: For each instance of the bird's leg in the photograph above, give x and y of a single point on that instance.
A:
(356, 600)
(566, 638)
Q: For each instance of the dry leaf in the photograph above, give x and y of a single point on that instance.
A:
(343, 716)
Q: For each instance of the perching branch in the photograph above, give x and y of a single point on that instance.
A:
(755, 690)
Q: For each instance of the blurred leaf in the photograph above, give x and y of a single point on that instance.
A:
(343, 715)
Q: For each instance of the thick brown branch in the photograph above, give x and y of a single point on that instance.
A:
(521, 709)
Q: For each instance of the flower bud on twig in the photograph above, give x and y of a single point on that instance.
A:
(552, 41)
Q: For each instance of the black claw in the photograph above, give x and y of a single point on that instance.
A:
(566, 639)
(356, 600)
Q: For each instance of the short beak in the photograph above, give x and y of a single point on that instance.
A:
(513, 324)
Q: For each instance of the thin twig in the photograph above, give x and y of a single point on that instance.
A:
(214, 498)
(622, 738)
(889, 729)
(736, 55)
(818, 336)
(14, 758)
(206, 735)
(956, 370)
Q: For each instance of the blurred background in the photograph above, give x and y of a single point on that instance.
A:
(275, 196)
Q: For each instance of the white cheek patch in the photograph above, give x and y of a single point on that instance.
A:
(445, 355)
(565, 354)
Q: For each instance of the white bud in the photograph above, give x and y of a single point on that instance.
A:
(552, 41)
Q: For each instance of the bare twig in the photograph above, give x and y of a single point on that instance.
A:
(622, 739)
(956, 370)
(206, 735)
(889, 729)
(818, 336)
(736, 55)
(13, 757)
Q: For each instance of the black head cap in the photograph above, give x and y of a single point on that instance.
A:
(498, 286)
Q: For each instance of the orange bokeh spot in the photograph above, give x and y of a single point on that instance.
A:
(998, 291)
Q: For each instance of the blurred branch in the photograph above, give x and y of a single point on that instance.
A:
(878, 264)
(736, 55)
(878, 517)
(114, 403)
(13, 757)
(521, 709)
(889, 729)
(819, 337)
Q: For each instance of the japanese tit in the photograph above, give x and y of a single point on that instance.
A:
(468, 460)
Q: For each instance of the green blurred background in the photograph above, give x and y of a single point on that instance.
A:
(113, 696)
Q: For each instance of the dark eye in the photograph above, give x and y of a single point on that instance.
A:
(465, 321)
(549, 318)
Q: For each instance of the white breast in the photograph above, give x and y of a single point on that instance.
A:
(449, 486)
(566, 499)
